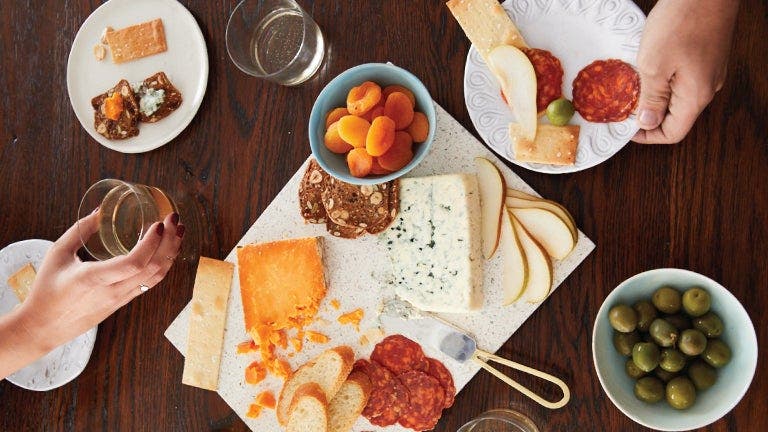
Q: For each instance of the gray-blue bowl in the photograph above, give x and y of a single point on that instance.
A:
(334, 95)
(733, 379)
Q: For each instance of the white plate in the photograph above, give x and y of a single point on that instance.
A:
(64, 363)
(185, 63)
(577, 32)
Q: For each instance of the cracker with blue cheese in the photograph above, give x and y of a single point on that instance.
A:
(158, 98)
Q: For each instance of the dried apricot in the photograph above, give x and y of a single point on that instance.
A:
(399, 154)
(353, 130)
(380, 136)
(377, 169)
(419, 127)
(388, 90)
(398, 107)
(376, 111)
(334, 142)
(359, 163)
(334, 115)
(363, 97)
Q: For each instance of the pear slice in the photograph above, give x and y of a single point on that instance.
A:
(539, 266)
(514, 271)
(522, 195)
(513, 202)
(491, 184)
(551, 232)
(515, 73)
(514, 193)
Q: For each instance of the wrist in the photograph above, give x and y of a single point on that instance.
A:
(32, 331)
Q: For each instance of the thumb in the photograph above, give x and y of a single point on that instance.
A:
(655, 92)
(72, 239)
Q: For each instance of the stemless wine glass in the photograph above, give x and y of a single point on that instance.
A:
(126, 211)
(276, 40)
(500, 420)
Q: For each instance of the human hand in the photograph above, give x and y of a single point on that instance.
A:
(682, 63)
(70, 296)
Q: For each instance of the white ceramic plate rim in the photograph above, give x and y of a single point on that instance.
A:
(171, 126)
(705, 420)
(42, 246)
(597, 141)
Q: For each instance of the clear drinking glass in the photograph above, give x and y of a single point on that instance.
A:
(126, 211)
(500, 420)
(275, 40)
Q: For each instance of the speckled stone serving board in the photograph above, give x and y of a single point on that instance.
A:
(356, 273)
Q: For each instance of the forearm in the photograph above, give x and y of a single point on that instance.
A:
(18, 347)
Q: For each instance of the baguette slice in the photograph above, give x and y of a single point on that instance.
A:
(309, 410)
(329, 370)
(348, 403)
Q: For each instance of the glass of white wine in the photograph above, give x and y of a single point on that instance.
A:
(126, 211)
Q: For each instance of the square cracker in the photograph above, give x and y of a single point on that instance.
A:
(486, 24)
(554, 145)
(21, 281)
(208, 316)
(137, 41)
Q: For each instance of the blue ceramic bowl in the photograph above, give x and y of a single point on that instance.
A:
(334, 95)
(733, 379)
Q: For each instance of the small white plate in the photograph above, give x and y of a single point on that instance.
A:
(64, 363)
(577, 32)
(185, 63)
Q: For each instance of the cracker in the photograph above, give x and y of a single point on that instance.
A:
(208, 316)
(486, 24)
(21, 281)
(137, 41)
(554, 145)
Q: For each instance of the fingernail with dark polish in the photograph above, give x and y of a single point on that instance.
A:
(160, 228)
(180, 231)
(175, 218)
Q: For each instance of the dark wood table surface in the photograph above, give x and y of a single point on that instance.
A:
(700, 205)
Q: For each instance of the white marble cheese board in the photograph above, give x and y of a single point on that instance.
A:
(356, 274)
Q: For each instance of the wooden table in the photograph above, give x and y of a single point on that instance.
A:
(701, 205)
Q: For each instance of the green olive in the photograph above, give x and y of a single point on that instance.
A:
(680, 321)
(702, 375)
(663, 333)
(717, 353)
(710, 324)
(667, 300)
(681, 394)
(696, 301)
(692, 342)
(632, 370)
(671, 360)
(623, 342)
(646, 356)
(646, 313)
(623, 318)
(664, 375)
(649, 389)
(560, 111)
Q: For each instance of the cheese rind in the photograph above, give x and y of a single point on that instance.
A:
(435, 243)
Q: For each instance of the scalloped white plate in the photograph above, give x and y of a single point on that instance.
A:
(185, 63)
(64, 363)
(577, 32)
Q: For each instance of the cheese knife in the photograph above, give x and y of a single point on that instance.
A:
(432, 330)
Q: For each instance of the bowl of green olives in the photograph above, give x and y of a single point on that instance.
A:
(673, 349)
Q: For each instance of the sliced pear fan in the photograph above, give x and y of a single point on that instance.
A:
(551, 232)
(539, 281)
(514, 273)
(491, 184)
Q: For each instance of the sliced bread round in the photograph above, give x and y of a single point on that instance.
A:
(309, 410)
(348, 403)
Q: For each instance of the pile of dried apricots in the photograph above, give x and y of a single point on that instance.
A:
(377, 129)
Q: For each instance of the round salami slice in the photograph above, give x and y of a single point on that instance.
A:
(427, 398)
(382, 393)
(398, 354)
(549, 76)
(606, 91)
(437, 370)
(398, 394)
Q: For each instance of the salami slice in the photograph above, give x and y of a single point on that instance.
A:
(437, 370)
(549, 76)
(427, 398)
(399, 394)
(606, 91)
(398, 354)
(388, 396)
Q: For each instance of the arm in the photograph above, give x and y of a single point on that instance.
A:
(69, 296)
(682, 63)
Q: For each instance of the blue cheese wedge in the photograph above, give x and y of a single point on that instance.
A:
(435, 243)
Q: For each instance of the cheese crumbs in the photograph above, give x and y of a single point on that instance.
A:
(352, 318)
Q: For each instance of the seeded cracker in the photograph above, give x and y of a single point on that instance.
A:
(126, 125)
(137, 41)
